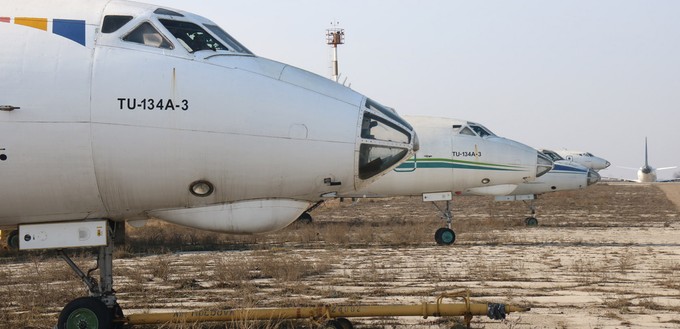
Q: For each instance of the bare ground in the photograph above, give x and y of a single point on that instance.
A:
(605, 257)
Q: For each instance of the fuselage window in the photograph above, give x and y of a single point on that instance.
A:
(113, 23)
(147, 35)
(231, 42)
(191, 36)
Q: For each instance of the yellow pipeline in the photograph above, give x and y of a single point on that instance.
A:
(323, 312)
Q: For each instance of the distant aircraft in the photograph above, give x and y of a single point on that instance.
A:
(115, 110)
(565, 175)
(455, 156)
(647, 173)
(586, 159)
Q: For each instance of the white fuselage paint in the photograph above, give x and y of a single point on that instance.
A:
(87, 143)
(455, 162)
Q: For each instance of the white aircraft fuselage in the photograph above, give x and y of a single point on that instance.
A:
(565, 175)
(456, 156)
(111, 111)
(585, 159)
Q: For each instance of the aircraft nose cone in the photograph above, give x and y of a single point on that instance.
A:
(607, 164)
(593, 177)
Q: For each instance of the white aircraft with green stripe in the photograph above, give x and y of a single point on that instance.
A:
(454, 157)
(115, 111)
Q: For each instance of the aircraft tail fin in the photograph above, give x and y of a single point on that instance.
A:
(646, 162)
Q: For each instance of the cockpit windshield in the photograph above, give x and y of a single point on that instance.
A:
(552, 155)
(231, 42)
(473, 129)
(191, 36)
(481, 130)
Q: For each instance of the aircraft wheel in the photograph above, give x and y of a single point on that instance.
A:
(13, 240)
(444, 236)
(531, 221)
(344, 323)
(305, 218)
(85, 313)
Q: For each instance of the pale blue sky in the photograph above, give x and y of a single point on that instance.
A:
(596, 76)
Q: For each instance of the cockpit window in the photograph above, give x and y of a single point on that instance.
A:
(467, 131)
(191, 36)
(481, 130)
(390, 113)
(374, 159)
(147, 35)
(114, 22)
(231, 42)
(373, 127)
(163, 11)
(552, 155)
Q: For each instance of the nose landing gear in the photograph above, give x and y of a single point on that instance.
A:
(443, 235)
(531, 221)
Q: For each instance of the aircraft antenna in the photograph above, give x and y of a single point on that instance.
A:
(335, 36)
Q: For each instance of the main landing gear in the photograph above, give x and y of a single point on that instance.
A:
(100, 310)
(445, 235)
(306, 217)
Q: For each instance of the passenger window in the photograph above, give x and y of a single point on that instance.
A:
(191, 36)
(147, 35)
(114, 22)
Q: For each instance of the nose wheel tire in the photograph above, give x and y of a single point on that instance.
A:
(531, 221)
(85, 313)
(13, 240)
(444, 236)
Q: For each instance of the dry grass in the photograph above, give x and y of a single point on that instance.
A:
(362, 253)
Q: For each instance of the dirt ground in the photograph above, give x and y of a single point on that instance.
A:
(604, 257)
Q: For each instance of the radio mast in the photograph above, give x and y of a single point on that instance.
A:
(335, 36)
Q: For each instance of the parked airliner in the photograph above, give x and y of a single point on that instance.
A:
(565, 175)
(455, 156)
(586, 159)
(113, 110)
(647, 173)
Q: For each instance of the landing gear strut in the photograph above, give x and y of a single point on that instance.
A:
(306, 217)
(100, 309)
(445, 235)
(531, 220)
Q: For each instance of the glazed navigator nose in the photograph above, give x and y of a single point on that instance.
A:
(593, 177)
(543, 164)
